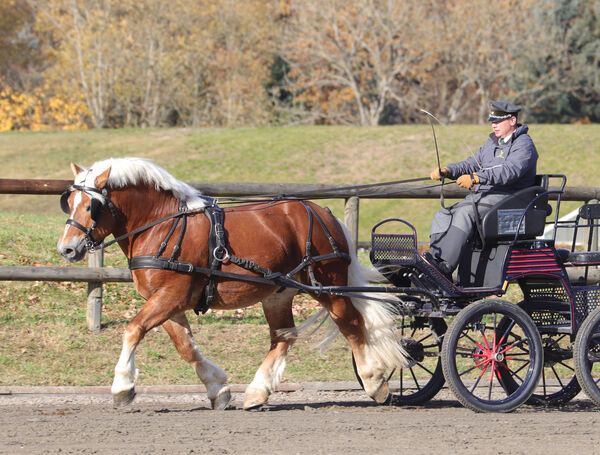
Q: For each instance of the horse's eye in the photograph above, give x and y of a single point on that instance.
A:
(88, 208)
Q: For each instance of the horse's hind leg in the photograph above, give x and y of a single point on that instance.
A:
(212, 376)
(351, 324)
(278, 311)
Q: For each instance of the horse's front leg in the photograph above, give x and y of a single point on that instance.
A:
(123, 386)
(278, 311)
(213, 377)
(153, 313)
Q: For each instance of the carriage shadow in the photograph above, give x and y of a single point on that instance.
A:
(580, 405)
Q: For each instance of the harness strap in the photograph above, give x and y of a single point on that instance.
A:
(161, 263)
(163, 245)
(216, 254)
(152, 262)
(141, 229)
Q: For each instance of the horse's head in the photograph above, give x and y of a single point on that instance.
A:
(88, 222)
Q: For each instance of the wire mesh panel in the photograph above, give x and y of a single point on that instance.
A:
(398, 249)
(586, 300)
(548, 304)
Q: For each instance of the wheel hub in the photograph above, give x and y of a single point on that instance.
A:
(486, 353)
(554, 353)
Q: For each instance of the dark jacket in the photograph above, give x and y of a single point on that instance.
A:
(504, 168)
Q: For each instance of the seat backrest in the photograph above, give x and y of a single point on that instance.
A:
(502, 220)
(589, 212)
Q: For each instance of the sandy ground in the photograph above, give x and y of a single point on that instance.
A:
(306, 421)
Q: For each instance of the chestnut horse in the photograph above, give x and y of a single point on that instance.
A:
(126, 197)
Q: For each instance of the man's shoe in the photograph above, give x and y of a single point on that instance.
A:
(441, 266)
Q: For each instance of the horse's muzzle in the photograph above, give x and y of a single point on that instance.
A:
(72, 250)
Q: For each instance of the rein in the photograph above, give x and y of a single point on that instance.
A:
(219, 254)
(97, 206)
(310, 194)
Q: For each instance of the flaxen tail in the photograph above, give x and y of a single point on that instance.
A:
(382, 342)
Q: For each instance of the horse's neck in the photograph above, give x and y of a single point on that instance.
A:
(141, 206)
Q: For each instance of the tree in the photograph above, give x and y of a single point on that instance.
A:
(560, 79)
(150, 62)
(475, 44)
(21, 54)
(347, 60)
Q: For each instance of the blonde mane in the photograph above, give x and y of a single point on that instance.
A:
(135, 171)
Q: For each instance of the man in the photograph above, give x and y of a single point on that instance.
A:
(504, 164)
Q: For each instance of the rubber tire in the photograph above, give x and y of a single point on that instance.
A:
(473, 313)
(427, 391)
(559, 398)
(584, 369)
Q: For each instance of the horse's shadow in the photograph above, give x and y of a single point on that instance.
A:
(572, 407)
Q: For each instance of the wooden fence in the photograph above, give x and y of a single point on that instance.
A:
(95, 274)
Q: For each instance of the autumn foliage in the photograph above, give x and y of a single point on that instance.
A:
(115, 63)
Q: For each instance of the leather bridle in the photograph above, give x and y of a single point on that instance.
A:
(97, 206)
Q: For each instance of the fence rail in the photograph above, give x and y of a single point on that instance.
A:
(96, 274)
(222, 189)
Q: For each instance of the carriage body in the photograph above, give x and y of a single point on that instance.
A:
(507, 250)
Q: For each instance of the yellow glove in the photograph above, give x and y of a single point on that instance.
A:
(437, 175)
(467, 180)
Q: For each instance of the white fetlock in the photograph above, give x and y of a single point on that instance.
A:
(124, 380)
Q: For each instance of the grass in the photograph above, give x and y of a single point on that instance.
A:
(44, 339)
(314, 154)
(43, 335)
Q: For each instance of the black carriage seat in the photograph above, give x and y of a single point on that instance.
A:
(484, 267)
(502, 220)
(590, 213)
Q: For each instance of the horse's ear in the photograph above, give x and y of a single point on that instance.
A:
(76, 169)
(102, 179)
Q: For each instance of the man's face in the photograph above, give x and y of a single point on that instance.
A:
(505, 127)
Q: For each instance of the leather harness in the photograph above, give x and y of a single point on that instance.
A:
(218, 254)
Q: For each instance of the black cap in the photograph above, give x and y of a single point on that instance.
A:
(501, 110)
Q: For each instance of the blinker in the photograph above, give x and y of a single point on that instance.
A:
(95, 204)
(64, 201)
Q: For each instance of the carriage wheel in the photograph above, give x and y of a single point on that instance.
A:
(587, 356)
(476, 348)
(558, 384)
(423, 378)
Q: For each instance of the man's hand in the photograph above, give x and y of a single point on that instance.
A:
(438, 173)
(467, 180)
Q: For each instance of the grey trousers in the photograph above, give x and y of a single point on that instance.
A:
(452, 226)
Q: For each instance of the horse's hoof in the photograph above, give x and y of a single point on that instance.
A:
(221, 401)
(252, 406)
(124, 397)
(382, 394)
(255, 400)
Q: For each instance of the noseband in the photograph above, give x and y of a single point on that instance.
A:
(96, 209)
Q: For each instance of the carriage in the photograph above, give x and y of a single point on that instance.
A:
(408, 338)
(494, 353)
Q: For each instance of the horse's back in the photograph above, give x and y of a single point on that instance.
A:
(276, 234)
(288, 219)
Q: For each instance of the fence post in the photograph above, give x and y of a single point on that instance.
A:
(351, 218)
(94, 298)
